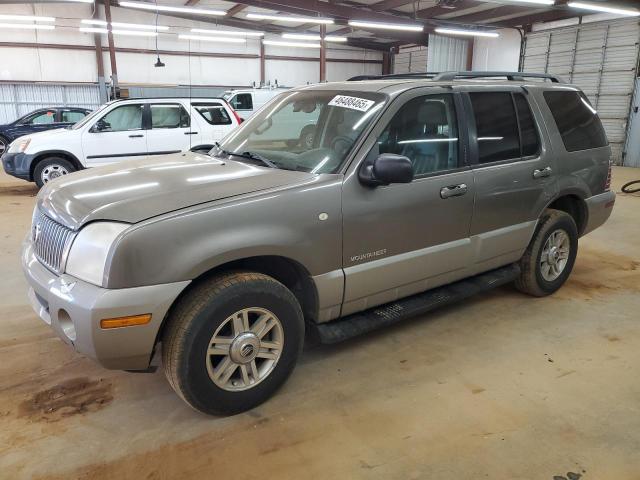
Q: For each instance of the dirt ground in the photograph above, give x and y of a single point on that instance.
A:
(502, 386)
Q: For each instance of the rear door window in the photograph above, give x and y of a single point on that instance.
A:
(72, 116)
(577, 121)
(497, 126)
(169, 116)
(528, 130)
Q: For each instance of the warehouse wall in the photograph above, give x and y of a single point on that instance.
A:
(77, 63)
(497, 54)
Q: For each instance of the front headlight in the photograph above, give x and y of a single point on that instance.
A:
(19, 145)
(87, 258)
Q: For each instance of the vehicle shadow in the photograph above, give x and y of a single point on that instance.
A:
(28, 190)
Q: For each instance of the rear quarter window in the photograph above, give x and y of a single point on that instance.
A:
(577, 121)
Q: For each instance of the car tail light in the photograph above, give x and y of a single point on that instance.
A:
(607, 183)
(235, 114)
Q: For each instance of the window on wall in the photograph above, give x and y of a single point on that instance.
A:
(169, 116)
(425, 131)
(576, 119)
(126, 117)
(497, 126)
(528, 131)
(213, 113)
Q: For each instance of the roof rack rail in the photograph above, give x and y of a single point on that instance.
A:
(511, 76)
(394, 75)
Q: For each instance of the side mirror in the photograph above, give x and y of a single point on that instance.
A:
(101, 126)
(387, 168)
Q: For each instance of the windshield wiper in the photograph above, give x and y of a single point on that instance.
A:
(256, 156)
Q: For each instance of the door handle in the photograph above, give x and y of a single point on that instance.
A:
(542, 172)
(190, 133)
(136, 136)
(453, 191)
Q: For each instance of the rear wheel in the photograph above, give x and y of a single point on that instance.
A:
(51, 168)
(232, 341)
(549, 258)
(4, 144)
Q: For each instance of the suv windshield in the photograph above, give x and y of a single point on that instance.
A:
(311, 131)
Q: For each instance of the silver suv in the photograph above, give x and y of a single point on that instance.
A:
(415, 191)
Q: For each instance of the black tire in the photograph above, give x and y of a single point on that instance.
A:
(40, 172)
(198, 315)
(4, 144)
(531, 280)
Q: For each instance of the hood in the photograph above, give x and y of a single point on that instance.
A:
(136, 190)
(46, 134)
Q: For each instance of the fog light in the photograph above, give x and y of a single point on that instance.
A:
(65, 322)
(125, 321)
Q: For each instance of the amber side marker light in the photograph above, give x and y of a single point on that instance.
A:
(125, 321)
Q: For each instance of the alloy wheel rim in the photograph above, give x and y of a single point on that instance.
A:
(555, 255)
(244, 349)
(52, 171)
(3, 146)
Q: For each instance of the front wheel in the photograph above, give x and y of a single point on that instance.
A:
(4, 144)
(51, 168)
(232, 341)
(549, 258)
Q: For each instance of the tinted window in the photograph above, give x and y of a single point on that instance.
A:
(41, 118)
(72, 116)
(528, 131)
(213, 113)
(242, 101)
(425, 131)
(576, 119)
(497, 127)
(169, 116)
(126, 117)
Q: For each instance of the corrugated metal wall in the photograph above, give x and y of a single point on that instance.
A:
(447, 54)
(410, 59)
(18, 99)
(601, 58)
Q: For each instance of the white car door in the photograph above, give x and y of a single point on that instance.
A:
(116, 136)
(170, 129)
(216, 120)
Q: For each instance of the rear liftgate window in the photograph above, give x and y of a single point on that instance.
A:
(576, 119)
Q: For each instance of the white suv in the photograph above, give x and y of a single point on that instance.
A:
(121, 130)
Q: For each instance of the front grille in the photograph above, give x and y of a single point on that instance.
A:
(50, 241)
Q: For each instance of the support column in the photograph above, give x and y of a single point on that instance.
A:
(97, 41)
(262, 65)
(469, 62)
(323, 54)
(112, 49)
(386, 63)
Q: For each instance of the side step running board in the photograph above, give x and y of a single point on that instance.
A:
(390, 313)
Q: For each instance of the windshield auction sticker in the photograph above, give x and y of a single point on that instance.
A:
(353, 103)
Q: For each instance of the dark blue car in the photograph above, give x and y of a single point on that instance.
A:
(38, 121)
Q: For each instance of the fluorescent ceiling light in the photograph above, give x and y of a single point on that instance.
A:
(30, 26)
(386, 26)
(539, 2)
(137, 26)
(166, 8)
(80, 1)
(334, 38)
(291, 44)
(286, 18)
(134, 33)
(301, 36)
(212, 39)
(474, 33)
(228, 32)
(602, 8)
(27, 18)
(94, 22)
(93, 30)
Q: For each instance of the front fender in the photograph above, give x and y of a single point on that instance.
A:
(184, 245)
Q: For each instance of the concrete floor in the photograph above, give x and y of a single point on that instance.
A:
(503, 386)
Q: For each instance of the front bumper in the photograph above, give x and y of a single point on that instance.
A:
(18, 164)
(73, 309)
(599, 208)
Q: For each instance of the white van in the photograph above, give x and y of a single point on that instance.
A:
(121, 130)
(246, 102)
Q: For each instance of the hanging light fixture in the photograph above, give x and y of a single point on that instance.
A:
(159, 63)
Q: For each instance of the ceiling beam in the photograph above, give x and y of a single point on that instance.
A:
(237, 8)
(500, 11)
(191, 3)
(553, 15)
(389, 5)
(432, 12)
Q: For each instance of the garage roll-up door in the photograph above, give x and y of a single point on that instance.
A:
(601, 58)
